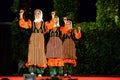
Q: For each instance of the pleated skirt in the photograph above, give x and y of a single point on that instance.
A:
(54, 48)
(36, 51)
(69, 49)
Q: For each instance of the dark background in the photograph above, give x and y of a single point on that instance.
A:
(87, 9)
(87, 13)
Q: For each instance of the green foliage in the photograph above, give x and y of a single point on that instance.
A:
(19, 36)
(87, 26)
(19, 40)
(67, 8)
(98, 49)
(15, 7)
(107, 13)
(98, 52)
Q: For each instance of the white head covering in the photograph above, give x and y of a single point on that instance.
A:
(41, 16)
(57, 24)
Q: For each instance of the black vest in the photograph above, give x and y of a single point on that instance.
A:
(40, 30)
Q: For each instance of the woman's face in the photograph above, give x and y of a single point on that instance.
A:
(52, 13)
(65, 19)
(37, 14)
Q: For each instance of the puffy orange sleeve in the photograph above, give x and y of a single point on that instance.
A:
(49, 25)
(24, 24)
(64, 29)
(77, 34)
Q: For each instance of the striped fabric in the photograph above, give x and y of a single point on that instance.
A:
(54, 48)
(36, 54)
(69, 49)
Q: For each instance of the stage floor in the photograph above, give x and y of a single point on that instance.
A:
(62, 78)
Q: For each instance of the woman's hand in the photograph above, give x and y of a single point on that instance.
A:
(79, 28)
(53, 14)
(21, 13)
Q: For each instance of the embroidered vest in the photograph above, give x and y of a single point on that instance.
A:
(40, 30)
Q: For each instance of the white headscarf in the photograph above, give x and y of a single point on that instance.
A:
(57, 24)
(40, 18)
(70, 24)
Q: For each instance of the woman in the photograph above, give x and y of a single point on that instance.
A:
(36, 56)
(64, 28)
(54, 47)
(69, 49)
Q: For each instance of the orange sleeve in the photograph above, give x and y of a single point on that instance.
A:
(24, 24)
(64, 29)
(46, 26)
(77, 34)
(49, 25)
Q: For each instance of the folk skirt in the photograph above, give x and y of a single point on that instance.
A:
(36, 51)
(69, 49)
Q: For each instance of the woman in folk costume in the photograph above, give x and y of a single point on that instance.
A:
(54, 47)
(37, 61)
(69, 49)
(64, 28)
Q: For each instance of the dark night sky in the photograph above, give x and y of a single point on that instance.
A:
(5, 12)
(7, 15)
(87, 12)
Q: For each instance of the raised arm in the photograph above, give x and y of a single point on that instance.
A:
(77, 33)
(22, 22)
(50, 25)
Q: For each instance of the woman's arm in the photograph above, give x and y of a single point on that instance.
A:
(22, 22)
(77, 33)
